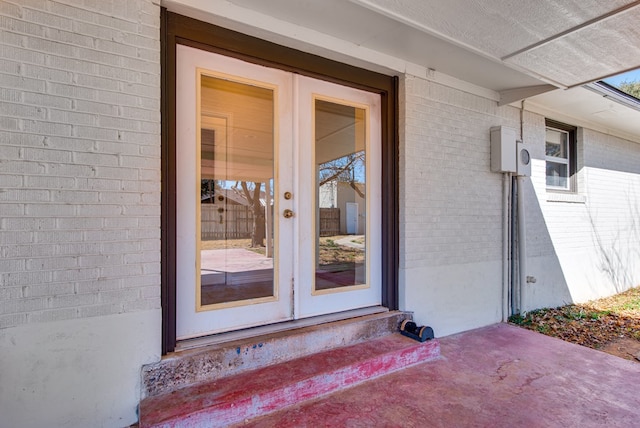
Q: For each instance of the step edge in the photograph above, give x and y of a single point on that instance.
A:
(221, 339)
(339, 379)
(197, 351)
(179, 365)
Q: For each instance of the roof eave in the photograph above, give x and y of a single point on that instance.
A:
(614, 94)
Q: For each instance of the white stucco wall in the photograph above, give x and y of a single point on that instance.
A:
(76, 373)
(79, 209)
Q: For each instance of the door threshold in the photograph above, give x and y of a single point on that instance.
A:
(219, 338)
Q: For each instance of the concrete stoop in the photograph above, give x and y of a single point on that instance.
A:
(235, 399)
(229, 358)
(230, 382)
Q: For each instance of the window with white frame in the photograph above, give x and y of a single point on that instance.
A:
(560, 154)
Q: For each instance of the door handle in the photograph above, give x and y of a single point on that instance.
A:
(287, 213)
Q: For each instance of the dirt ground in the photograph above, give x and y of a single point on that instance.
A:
(610, 325)
(624, 348)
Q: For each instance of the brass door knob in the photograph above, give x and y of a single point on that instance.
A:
(287, 213)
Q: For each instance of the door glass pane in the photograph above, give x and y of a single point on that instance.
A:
(236, 191)
(340, 238)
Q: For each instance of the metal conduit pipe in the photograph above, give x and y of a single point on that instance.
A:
(522, 246)
(513, 249)
(506, 245)
(522, 236)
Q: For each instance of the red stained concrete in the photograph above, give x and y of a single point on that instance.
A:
(236, 398)
(498, 376)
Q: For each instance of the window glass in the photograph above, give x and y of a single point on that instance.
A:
(557, 158)
(556, 143)
(557, 174)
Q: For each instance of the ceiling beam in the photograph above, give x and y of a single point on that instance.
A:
(585, 24)
(512, 95)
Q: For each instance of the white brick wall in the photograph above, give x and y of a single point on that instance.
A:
(451, 212)
(450, 207)
(593, 241)
(79, 159)
(450, 200)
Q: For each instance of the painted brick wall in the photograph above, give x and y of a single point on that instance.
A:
(579, 247)
(589, 242)
(450, 206)
(451, 201)
(79, 159)
(612, 167)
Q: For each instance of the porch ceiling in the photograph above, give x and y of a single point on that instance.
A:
(565, 43)
(516, 49)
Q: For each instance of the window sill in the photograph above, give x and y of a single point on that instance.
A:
(573, 198)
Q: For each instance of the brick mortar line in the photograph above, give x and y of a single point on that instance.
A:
(66, 43)
(85, 99)
(80, 111)
(47, 120)
(75, 137)
(86, 9)
(49, 54)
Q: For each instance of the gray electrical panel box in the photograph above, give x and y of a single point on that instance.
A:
(503, 149)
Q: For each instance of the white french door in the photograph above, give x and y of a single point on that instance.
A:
(339, 167)
(267, 163)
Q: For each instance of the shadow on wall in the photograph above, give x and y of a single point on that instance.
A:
(612, 178)
(551, 287)
(618, 254)
(582, 251)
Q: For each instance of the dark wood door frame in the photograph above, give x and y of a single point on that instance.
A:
(177, 29)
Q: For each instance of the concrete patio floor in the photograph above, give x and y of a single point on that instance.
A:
(497, 376)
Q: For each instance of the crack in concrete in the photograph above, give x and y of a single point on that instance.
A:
(505, 368)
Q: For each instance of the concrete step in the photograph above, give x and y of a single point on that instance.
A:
(231, 357)
(234, 399)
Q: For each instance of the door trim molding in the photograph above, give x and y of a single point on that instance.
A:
(178, 29)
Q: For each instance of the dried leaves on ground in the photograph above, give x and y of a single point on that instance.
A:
(611, 324)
